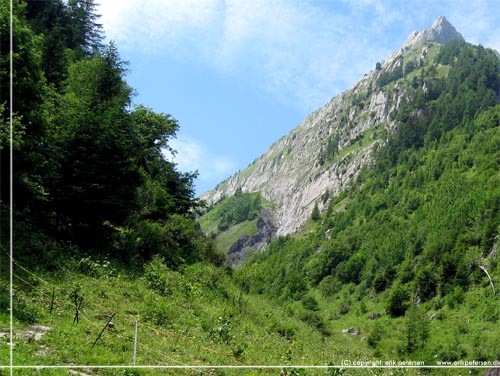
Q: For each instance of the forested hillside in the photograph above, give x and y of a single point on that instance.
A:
(89, 174)
(427, 213)
(418, 229)
(111, 267)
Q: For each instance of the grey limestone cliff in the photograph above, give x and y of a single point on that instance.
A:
(325, 153)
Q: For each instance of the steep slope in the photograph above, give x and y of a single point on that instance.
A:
(418, 230)
(325, 153)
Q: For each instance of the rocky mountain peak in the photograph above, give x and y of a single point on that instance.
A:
(441, 31)
(325, 153)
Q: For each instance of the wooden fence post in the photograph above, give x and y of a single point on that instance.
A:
(52, 301)
(103, 329)
(77, 310)
(135, 342)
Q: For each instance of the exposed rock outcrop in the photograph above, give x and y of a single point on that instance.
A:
(266, 233)
(326, 152)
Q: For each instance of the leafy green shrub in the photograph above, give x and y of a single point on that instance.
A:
(239, 349)
(375, 335)
(148, 239)
(159, 313)
(155, 273)
(285, 330)
(310, 303)
(398, 300)
(91, 267)
(25, 312)
(293, 372)
(380, 283)
(222, 329)
(456, 297)
(316, 321)
(329, 286)
(451, 351)
(4, 295)
(491, 311)
(344, 309)
(351, 270)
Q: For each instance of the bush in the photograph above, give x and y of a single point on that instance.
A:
(155, 274)
(375, 335)
(456, 297)
(94, 268)
(329, 286)
(222, 329)
(310, 303)
(398, 301)
(25, 313)
(380, 283)
(316, 321)
(158, 313)
(285, 330)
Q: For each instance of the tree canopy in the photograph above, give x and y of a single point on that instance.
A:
(89, 168)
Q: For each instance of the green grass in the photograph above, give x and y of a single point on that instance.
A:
(227, 238)
(211, 220)
(204, 318)
(368, 138)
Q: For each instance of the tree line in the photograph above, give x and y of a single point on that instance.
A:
(89, 171)
(418, 224)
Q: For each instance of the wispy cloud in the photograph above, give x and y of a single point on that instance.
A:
(295, 51)
(302, 52)
(193, 156)
(478, 21)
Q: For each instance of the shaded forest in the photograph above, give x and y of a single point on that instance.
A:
(89, 171)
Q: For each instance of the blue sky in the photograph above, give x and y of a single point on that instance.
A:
(239, 74)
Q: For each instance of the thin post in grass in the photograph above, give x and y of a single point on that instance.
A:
(135, 342)
(52, 301)
(103, 329)
(78, 305)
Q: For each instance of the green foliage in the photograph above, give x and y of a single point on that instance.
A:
(25, 313)
(417, 329)
(238, 208)
(316, 321)
(315, 215)
(310, 303)
(90, 170)
(95, 268)
(398, 300)
(222, 329)
(156, 275)
(375, 335)
(329, 286)
(285, 330)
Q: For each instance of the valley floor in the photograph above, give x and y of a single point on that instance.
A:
(200, 322)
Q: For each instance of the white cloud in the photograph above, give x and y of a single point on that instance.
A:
(192, 156)
(291, 50)
(478, 21)
(153, 25)
(301, 52)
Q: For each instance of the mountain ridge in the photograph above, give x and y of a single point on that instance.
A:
(325, 153)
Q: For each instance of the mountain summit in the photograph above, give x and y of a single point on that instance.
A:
(324, 154)
(442, 32)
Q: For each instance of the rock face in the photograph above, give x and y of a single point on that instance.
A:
(325, 153)
(266, 233)
(442, 32)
